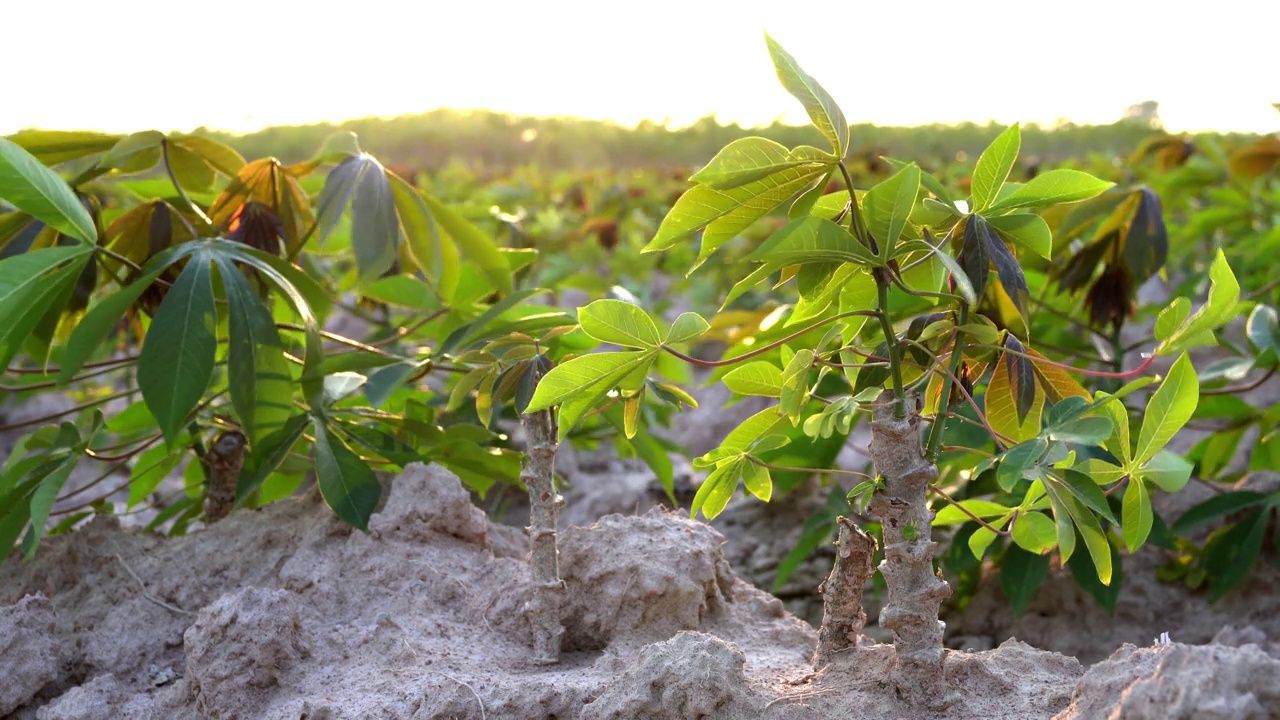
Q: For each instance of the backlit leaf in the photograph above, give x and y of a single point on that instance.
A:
(822, 109)
(41, 193)
(993, 167)
(751, 158)
(620, 323)
(1168, 409)
(1051, 188)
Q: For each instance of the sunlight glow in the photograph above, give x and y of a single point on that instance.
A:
(243, 64)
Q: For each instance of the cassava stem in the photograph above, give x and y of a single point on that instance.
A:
(915, 590)
(538, 476)
(842, 615)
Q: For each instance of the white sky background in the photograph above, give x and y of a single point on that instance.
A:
(124, 65)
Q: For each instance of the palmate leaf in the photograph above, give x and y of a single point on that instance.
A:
(361, 183)
(270, 183)
(1007, 393)
(822, 109)
(41, 193)
(258, 378)
(300, 290)
(177, 356)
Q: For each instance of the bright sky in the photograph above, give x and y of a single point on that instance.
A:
(123, 65)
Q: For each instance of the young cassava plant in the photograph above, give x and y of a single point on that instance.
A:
(916, 304)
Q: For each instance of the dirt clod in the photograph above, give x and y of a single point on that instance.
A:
(28, 652)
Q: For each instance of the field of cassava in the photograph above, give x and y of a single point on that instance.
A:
(466, 415)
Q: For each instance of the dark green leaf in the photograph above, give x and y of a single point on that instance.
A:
(258, 376)
(1216, 507)
(177, 356)
(1021, 574)
(1229, 556)
(268, 454)
(347, 484)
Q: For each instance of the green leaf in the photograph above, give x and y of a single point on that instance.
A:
(1231, 554)
(993, 167)
(1221, 307)
(810, 240)
(467, 335)
(726, 213)
(577, 385)
(29, 284)
(758, 377)
(751, 158)
(42, 500)
(1088, 573)
(1169, 409)
(1172, 317)
(750, 430)
(40, 192)
(473, 244)
(620, 323)
(757, 480)
(1027, 230)
(1095, 539)
(347, 484)
(1021, 574)
(268, 455)
(1167, 471)
(687, 326)
(822, 109)
(1017, 460)
(258, 376)
(135, 153)
(716, 491)
(58, 146)
(1035, 532)
(1052, 188)
(1216, 507)
(434, 253)
(956, 515)
(1135, 514)
(177, 356)
(1087, 492)
(1082, 430)
(888, 205)
(795, 385)
(375, 229)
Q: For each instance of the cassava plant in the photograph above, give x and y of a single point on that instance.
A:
(912, 307)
